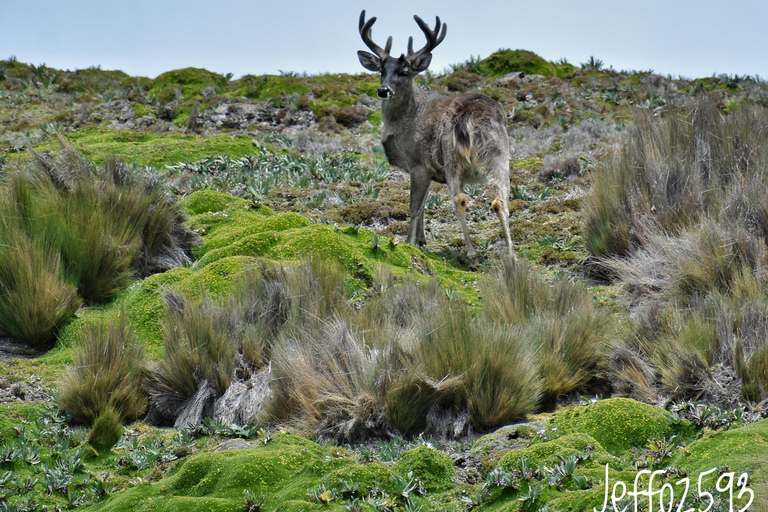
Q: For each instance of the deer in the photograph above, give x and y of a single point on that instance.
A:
(454, 139)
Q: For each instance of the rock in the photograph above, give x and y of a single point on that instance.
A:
(244, 399)
(233, 444)
(197, 407)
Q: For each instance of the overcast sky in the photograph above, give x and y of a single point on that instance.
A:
(147, 37)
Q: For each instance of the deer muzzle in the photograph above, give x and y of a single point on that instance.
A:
(385, 92)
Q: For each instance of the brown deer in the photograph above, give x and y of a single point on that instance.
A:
(456, 139)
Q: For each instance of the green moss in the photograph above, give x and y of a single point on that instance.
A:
(207, 201)
(503, 62)
(190, 81)
(530, 162)
(434, 468)
(547, 452)
(742, 449)
(150, 148)
(282, 470)
(233, 237)
(139, 110)
(618, 424)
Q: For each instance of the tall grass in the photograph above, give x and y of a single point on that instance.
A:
(498, 369)
(105, 376)
(679, 218)
(675, 171)
(200, 342)
(326, 384)
(68, 224)
(34, 299)
(558, 319)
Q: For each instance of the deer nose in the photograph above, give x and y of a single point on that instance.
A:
(385, 92)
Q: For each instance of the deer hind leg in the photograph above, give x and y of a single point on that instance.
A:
(460, 200)
(500, 206)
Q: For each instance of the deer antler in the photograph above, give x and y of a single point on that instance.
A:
(365, 33)
(432, 37)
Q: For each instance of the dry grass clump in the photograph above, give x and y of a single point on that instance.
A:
(105, 375)
(559, 320)
(413, 355)
(497, 368)
(326, 384)
(675, 171)
(680, 220)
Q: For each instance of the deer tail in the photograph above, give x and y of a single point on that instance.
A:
(462, 137)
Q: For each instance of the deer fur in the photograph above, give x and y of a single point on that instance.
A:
(453, 139)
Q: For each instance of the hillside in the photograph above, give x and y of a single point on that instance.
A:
(206, 298)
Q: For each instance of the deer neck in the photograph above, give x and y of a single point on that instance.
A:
(402, 110)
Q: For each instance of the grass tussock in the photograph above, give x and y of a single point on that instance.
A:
(105, 375)
(680, 220)
(559, 320)
(200, 347)
(69, 224)
(676, 171)
(413, 356)
(107, 429)
(35, 302)
(498, 369)
(326, 384)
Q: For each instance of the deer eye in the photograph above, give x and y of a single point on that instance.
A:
(403, 72)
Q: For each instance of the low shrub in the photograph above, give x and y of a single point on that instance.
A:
(107, 429)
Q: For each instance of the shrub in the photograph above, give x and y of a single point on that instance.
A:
(105, 375)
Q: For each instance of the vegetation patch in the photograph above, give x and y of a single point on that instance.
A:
(617, 424)
(432, 467)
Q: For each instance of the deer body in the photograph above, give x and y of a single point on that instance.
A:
(457, 140)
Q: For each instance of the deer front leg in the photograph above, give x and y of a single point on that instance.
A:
(420, 182)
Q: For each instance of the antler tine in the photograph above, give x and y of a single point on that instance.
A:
(365, 33)
(434, 36)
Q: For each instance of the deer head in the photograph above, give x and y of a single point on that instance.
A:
(397, 73)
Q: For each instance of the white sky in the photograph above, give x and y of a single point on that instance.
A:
(690, 38)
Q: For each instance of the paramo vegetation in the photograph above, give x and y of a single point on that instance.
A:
(206, 298)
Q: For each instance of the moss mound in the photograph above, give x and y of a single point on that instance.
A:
(189, 81)
(234, 227)
(547, 452)
(503, 62)
(283, 471)
(618, 424)
(743, 450)
(434, 468)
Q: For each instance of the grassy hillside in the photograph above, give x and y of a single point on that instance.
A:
(172, 241)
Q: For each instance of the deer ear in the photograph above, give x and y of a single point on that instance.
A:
(421, 62)
(369, 61)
